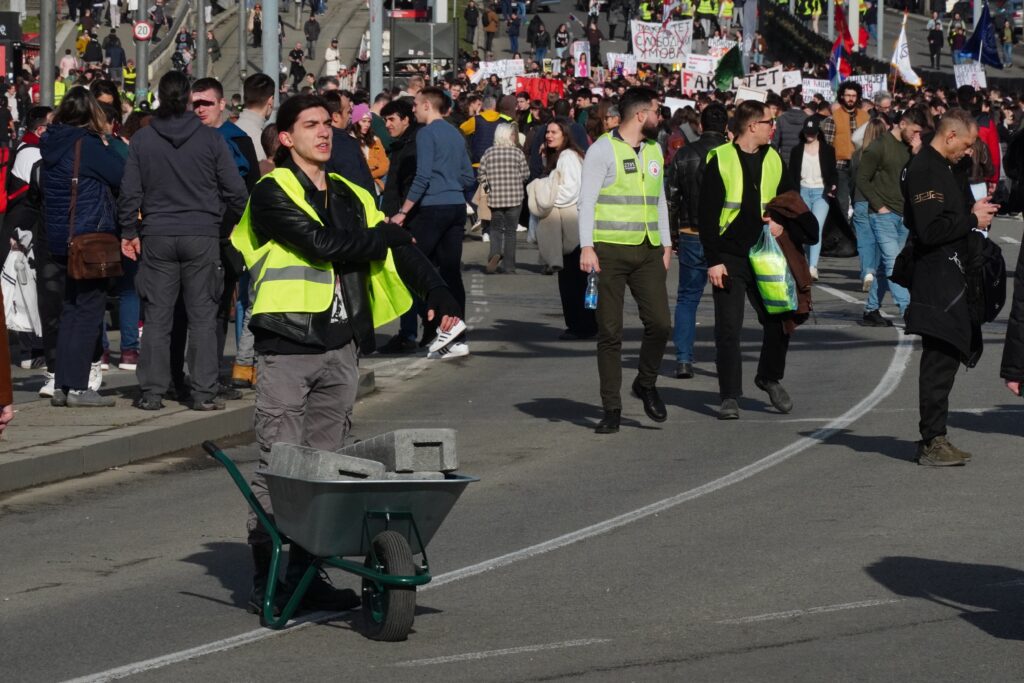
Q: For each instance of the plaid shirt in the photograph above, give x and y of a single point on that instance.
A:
(828, 129)
(503, 170)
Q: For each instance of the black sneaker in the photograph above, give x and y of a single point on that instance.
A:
(148, 403)
(684, 370)
(609, 424)
(215, 403)
(874, 319)
(228, 393)
(776, 394)
(729, 410)
(396, 345)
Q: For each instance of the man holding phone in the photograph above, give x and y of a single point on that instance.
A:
(940, 222)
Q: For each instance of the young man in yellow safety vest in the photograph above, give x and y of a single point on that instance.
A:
(326, 270)
(741, 178)
(624, 236)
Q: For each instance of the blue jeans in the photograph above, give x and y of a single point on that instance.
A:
(867, 248)
(513, 43)
(815, 199)
(540, 54)
(891, 235)
(129, 306)
(693, 275)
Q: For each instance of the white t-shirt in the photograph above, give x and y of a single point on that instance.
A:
(24, 161)
(810, 171)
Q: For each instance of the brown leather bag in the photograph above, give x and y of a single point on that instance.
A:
(94, 255)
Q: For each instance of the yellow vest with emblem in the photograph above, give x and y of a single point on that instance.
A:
(627, 210)
(287, 282)
(732, 176)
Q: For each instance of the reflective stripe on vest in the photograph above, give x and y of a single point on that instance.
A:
(287, 282)
(627, 210)
(732, 177)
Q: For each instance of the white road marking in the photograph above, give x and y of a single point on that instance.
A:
(888, 383)
(839, 294)
(824, 609)
(471, 656)
(1009, 240)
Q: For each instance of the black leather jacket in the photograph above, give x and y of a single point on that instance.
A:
(683, 180)
(345, 240)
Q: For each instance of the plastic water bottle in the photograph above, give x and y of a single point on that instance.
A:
(590, 298)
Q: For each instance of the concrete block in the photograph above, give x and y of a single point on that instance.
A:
(410, 450)
(414, 475)
(299, 462)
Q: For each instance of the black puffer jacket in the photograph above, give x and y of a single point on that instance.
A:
(683, 179)
(346, 240)
(1013, 353)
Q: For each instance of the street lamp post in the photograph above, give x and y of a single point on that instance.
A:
(142, 57)
(47, 50)
(243, 39)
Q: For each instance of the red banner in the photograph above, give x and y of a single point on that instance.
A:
(538, 88)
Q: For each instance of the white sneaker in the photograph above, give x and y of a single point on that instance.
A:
(814, 274)
(456, 350)
(445, 338)
(487, 237)
(95, 376)
(46, 391)
(521, 228)
(33, 363)
(868, 280)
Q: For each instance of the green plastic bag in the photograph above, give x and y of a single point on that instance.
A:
(774, 280)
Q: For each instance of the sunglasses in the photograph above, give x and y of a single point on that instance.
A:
(202, 103)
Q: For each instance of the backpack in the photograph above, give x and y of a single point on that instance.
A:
(986, 278)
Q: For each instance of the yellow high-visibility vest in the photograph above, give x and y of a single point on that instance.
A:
(287, 282)
(732, 177)
(627, 210)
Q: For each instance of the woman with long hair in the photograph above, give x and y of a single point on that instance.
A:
(74, 147)
(867, 247)
(503, 170)
(373, 148)
(558, 234)
(812, 165)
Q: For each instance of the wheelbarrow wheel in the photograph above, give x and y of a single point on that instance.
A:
(388, 611)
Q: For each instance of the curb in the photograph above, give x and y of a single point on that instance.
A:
(75, 456)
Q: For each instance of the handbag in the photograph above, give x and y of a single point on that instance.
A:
(775, 281)
(94, 255)
(541, 194)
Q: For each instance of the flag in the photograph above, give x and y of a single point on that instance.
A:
(838, 63)
(982, 43)
(843, 29)
(666, 11)
(900, 61)
(730, 67)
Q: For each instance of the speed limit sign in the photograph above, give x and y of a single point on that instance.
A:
(143, 30)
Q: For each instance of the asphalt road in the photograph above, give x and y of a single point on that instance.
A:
(800, 547)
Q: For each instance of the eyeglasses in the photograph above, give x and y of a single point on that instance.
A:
(196, 104)
(770, 122)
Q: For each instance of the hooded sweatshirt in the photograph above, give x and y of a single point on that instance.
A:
(182, 177)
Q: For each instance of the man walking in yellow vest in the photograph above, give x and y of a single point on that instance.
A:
(624, 235)
(323, 280)
(741, 178)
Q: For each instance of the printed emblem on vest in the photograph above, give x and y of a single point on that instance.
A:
(653, 167)
(629, 165)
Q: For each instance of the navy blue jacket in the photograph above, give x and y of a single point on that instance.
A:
(348, 161)
(99, 175)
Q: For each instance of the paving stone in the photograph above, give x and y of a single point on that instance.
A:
(299, 462)
(410, 450)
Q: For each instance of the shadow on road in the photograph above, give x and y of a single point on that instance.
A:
(1004, 419)
(229, 563)
(977, 591)
(889, 446)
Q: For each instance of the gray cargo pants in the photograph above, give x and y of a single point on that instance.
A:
(302, 399)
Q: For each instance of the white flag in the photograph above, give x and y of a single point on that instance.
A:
(901, 58)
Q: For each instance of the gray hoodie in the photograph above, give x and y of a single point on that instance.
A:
(182, 177)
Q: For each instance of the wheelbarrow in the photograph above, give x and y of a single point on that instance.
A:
(385, 522)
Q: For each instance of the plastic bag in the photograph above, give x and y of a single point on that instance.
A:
(775, 282)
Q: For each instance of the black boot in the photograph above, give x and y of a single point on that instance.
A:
(261, 556)
(320, 595)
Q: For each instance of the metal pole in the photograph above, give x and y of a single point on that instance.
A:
(243, 39)
(831, 20)
(271, 51)
(376, 47)
(854, 22)
(142, 58)
(977, 13)
(440, 12)
(430, 70)
(880, 9)
(792, 8)
(47, 50)
(202, 58)
(391, 46)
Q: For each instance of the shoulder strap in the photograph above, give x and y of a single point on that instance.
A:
(74, 189)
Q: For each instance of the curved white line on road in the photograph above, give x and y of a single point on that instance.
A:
(890, 380)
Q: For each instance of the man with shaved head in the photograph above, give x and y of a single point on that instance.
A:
(941, 220)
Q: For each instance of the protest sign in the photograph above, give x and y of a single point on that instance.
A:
(538, 88)
(620, 63)
(502, 68)
(792, 79)
(744, 93)
(972, 74)
(704, 64)
(674, 104)
(719, 46)
(657, 43)
(693, 82)
(818, 86)
(762, 80)
(581, 58)
(870, 84)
